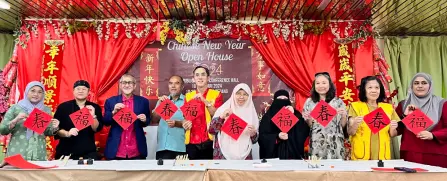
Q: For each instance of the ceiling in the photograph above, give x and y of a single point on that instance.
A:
(389, 17)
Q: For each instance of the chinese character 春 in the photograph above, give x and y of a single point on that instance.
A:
(377, 120)
(324, 114)
(125, 118)
(38, 120)
(346, 77)
(343, 51)
(418, 122)
(167, 110)
(235, 128)
(53, 51)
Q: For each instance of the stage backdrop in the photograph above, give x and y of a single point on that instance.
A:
(230, 62)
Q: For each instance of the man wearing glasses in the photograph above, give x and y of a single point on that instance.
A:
(128, 144)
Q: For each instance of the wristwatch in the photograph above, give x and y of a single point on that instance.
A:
(208, 104)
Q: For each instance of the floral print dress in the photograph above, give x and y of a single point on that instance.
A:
(327, 142)
(34, 148)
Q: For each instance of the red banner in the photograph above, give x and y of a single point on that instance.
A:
(51, 71)
(260, 74)
(345, 74)
(345, 80)
(149, 73)
(51, 76)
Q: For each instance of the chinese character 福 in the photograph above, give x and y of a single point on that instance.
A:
(82, 119)
(284, 120)
(191, 110)
(125, 118)
(418, 122)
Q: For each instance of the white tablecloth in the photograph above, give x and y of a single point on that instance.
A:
(244, 165)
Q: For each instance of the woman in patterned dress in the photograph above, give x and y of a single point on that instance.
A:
(24, 141)
(241, 104)
(326, 142)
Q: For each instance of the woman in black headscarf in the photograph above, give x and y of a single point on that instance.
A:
(275, 144)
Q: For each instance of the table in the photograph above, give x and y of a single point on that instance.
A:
(128, 170)
(221, 170)
(298, 170)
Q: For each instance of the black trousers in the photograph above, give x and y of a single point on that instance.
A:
(167, 154)
(203, 151)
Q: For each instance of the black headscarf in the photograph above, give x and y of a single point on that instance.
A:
(270, 144)
(278, 104)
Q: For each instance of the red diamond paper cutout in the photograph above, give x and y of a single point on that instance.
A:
(377, 120)
(37, 121)
(81, 119)
(125, 117)
(234, 126)
(285, 120)
(323, 113)
(417, 121)
(193, 109)
(166, 109)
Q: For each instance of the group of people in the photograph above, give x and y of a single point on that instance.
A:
(202, 138)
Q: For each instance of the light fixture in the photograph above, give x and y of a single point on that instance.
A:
(4, 5)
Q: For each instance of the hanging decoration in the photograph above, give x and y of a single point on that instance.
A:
(381, 69)
(191, 32)
(51, 76)
(355, 33)
(345, 74)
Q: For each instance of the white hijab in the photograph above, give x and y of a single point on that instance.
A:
(240, 149)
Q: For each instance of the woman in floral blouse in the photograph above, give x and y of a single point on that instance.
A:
(24, 141)
(240, 104)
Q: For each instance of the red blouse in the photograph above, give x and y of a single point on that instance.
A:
(436, 146)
